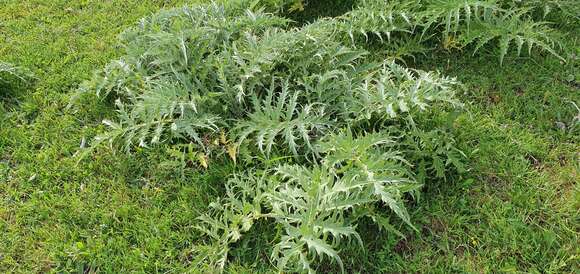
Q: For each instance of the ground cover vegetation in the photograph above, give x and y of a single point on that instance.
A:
(281, 136)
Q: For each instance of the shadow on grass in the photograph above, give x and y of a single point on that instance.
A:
(12, 90)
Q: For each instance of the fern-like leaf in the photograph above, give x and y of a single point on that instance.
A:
(283, 118)
(380, 18)
(512, 28)
(455, 13)
(395, 89)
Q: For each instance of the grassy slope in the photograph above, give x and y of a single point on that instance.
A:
(515, 210)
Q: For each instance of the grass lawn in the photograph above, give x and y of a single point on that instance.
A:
(515, 210)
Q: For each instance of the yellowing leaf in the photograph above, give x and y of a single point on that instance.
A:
(223, 140)
(451, 43)
(232, 151)
(297, 6)
(203, 160)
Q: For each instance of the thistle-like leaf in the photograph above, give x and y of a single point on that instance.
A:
(512, 28)
(283, 119)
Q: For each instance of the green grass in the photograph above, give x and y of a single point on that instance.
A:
(515, 210)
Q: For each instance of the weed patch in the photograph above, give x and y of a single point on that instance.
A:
(245, 142)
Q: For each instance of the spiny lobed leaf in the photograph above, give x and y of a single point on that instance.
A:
(314, 205)
(395, 89)
(283, 118)
(509, 29)
(453, 14)
(461, 23)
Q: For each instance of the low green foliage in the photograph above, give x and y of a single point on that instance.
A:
(305, 104)
(317, 207)
(457, 24)
(489, 189)
(191, 74)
